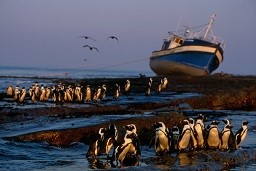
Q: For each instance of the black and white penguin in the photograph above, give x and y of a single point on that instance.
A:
(97, 94)
(241, 134)
(185, 136)
(16, 93)
(231, 137)
(22, 95)
(200, 131)
(9, 90)
(95, 143)
(127, 87)
(213, 136)
(116, 91)
(225, 135)
(37, 91)
(175, 134)
(194, 143)
(78, 93)
(103, 92)
(69, 94)
(47, 93)
(32, 93)
(88, 94)
(164, 83)
(148, 87)
(162, 138)
(42, 93)
(159, 87)
(127, 153)
(110, 138)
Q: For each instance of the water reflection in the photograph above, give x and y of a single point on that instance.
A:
(104, 163)
(183, 159)
(96, 163)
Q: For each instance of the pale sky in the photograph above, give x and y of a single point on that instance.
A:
(43, 33)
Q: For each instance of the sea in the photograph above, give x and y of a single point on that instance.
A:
(41, 156)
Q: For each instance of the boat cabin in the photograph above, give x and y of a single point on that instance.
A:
(176, 41)
(172, 43)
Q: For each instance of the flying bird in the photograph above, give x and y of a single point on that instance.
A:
(87, 37)
(85, 60)
(112, 37)
(90, 47)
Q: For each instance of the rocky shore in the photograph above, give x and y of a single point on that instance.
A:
(216, 92)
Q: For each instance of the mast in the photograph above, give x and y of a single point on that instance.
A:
(209, 26)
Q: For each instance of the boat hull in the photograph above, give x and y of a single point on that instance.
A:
(186, 60)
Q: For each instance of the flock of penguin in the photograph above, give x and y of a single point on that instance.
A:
(61, 93)
(193, 136)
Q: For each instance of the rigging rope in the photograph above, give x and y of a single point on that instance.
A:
(108, 64)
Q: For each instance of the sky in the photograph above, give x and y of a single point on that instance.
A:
(45, 33)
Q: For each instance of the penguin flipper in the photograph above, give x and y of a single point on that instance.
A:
(238, 138)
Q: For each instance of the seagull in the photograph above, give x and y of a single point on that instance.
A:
(91, 48)
(113, 37)
(87, 37)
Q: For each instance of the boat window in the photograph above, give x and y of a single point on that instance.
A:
(178, 40)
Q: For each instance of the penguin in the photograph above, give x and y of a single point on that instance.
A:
(32, 93)
(22, 95)
(95, 143)
(231, 137)
(127, 87)
(148, 87)
(175, 134)
(159, 87)
(162, 139)
(128, 152)
(68, 94)
(88, 94)
(78, 93)
(241, 134)
(16, 93)
(47, 93)
(164, 83)
(55, 94)
(213, 137)
(185, 136)
(37, 92)
(116, 91)
(97, 94)
(224, 137)
(9, 90)
(193, 134)
(43, 92)
(200, 131)
(60, 91)
(103, 92)
(109, 140)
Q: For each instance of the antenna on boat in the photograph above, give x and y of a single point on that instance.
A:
(178, 24)
(209, 26)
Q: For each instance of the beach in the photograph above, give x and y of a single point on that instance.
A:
(217, 96)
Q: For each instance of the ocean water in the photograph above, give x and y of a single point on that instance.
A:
(42, 156)
(67, 72)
